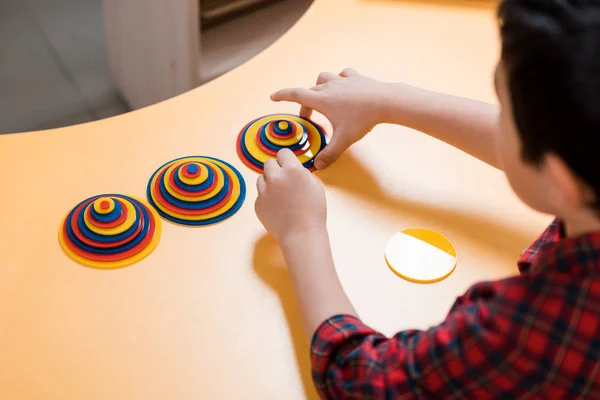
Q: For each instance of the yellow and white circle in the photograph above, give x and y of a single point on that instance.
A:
(420, 255)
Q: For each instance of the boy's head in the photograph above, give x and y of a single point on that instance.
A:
(548, 83)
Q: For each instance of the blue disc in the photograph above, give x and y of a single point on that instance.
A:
(279, 131)
(111, 216)
(192, 168)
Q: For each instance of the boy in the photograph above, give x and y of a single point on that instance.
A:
(536, 335)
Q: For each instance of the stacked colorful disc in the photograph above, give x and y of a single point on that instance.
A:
(262, 138)
(196, 190)
(110, 231)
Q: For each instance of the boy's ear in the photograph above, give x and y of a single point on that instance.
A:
(568, 191)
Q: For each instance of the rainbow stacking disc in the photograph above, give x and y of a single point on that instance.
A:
(196, 190)
(110, 231)
(262, 138)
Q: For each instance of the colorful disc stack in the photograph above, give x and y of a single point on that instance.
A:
(262, 138)
(110, 231)
(196, 190)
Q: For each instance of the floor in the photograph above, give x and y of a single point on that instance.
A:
(231, 43)
(53, 67)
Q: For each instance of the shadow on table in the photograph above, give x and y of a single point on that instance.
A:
(270, 267)
(349, 174)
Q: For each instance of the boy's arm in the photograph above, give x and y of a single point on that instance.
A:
(352, 361)
(354, 104)
(460, 358)
(291, 205)
(468, 125)
(318, 289)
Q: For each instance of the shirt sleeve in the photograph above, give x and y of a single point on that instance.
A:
(454, 359)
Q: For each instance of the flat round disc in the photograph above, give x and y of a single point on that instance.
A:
(420, 255)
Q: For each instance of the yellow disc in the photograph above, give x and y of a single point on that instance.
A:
(122, 263)
(232, 200)
(286, 142)
(200, 179)
(128, 223)
(98, 205)
(220, 183)
(420, 255)
(283, 125)
(314, 139)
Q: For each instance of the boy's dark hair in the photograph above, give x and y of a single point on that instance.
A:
(551, 56)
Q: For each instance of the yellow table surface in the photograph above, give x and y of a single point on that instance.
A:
(211, 313)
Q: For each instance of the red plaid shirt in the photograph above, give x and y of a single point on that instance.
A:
(534, 336)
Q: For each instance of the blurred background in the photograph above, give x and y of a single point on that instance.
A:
(64, 62)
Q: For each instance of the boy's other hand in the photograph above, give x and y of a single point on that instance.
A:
(291, 200)
(353, 103)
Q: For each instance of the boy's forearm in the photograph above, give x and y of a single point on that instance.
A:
(318, 289)
(468, 125)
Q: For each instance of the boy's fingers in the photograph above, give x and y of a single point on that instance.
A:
(261, 184)
(348, 72)
(286, 158)
(305, 112)
(332, 151)
(305, 97)
(325, 77)
(270, 169)
(319, 87)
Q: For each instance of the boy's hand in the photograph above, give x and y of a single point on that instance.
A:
(353, 103)
(290, 199)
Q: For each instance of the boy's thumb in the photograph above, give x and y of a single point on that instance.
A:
(331, 152)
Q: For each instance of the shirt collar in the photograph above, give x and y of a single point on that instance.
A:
(555, 252)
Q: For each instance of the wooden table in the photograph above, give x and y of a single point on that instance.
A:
(211, 313)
